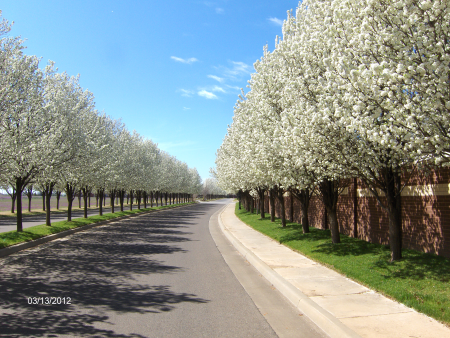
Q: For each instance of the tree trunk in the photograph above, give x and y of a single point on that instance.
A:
(29, 201)
(112, 195)
(131, 199)
(291, 210)
(43, 201)
(121, 199)
(13, 199)
(58, 196)
(48, 195)
(261, 202)
(100, 193)
(151, 199)
(145, 200)
(86, 194)
(272, 204)
(329, 191)
(19, 189)
(139, 199)
(304, 197)
(70, 194)
(280, 195)
(334, 226)
(79, 199)
(393, 199)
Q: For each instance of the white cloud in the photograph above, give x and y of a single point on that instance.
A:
(219, 79)
(220, 10)
(185, 92)
(188, 61)
(186, 108)
(239, 68)
(276, 21)
(218, 89)
(234, 87)
(207, 94)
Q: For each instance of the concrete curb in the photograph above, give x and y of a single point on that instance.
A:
(322, 318)
(26, 245)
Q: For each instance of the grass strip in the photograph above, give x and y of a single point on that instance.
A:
(28, 234)
(419, 280)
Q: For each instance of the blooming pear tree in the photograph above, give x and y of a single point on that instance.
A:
(353, 89)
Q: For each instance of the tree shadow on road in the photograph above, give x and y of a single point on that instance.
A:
(101, 270)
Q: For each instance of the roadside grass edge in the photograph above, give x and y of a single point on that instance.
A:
(420, 280)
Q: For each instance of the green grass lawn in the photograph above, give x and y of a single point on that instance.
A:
(13, 237)
(419, 280)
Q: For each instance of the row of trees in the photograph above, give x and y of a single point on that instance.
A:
(52, 137)
(354, 88)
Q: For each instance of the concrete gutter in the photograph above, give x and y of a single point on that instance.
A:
(322, 318)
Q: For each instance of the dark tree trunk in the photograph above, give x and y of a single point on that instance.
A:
(145, 200)
(19, 188)
(131, 199)
(272, 204)
(151, 199)
(329, 191)
(156, 198)
(70, 194)
(100, 194)
(121, 199)
(280, 195)
(13, 196)
(48, 195)
(86, 194)
(30, 196)
(161, 196)
(79, 199)
(291, 210)
(139, 198)
(112, 195)
(165, 198)
(304, 197)
(393, 199)
(43, 200)
(261, 192)
(58, 196)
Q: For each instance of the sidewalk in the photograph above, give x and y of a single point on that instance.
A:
(339, 306)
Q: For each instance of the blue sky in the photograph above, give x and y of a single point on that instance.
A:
(171, 70)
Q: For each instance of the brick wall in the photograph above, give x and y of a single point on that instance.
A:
(425, 213)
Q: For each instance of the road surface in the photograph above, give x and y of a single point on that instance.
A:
(155, 275)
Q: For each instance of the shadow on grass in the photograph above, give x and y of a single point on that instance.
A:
(416, 266)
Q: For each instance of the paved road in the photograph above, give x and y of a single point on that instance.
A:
(155, 275)
(9, 223)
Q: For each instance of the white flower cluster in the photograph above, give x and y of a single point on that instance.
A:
(355, 88)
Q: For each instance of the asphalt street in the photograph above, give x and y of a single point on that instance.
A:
(155, 275)
(10, 223)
